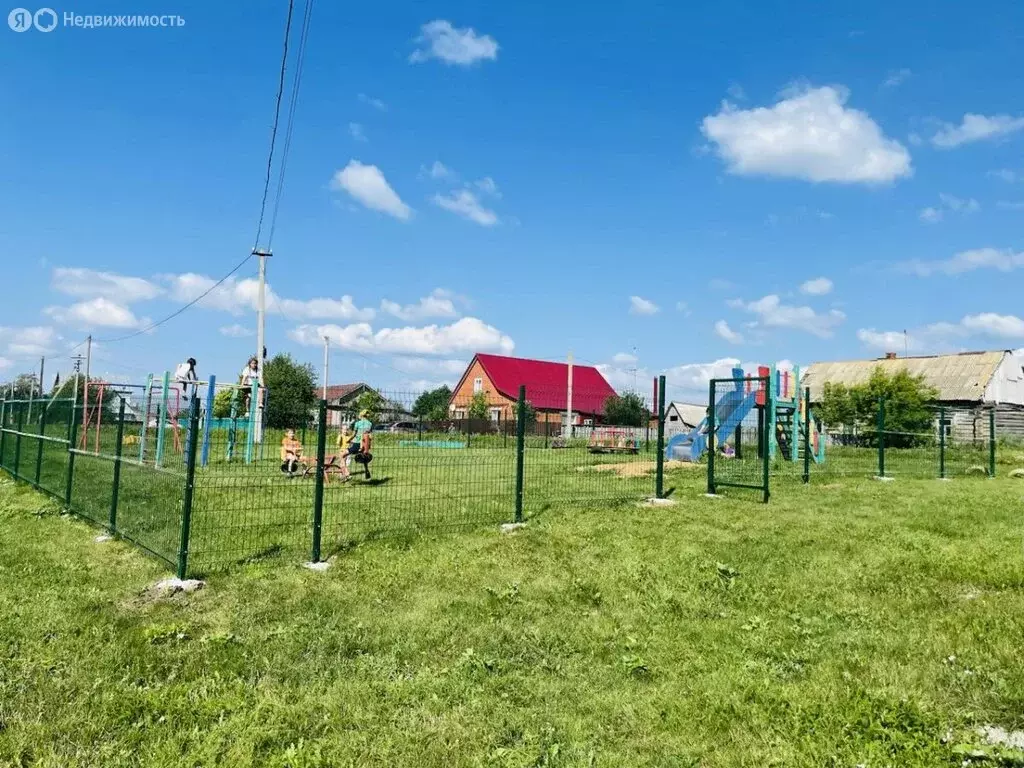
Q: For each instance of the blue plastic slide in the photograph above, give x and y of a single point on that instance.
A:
(730, 411)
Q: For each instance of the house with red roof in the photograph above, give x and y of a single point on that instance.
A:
(547, 388)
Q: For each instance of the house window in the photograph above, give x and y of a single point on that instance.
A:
(673, 418)
(478, 385)
(460, 413)
(946, 427)
(495, 415)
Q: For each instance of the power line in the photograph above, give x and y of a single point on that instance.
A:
(181, 309)
(300, 58)
(277, 118)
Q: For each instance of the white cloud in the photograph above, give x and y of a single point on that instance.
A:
(933, 214)
(368, 186)
(235, 331)
(375, 103)
(96, 313)
(467, 205)
(437, 304)
(976, 128)
(809, 135)
(641, 306)
(695, 377)
(943, 336)
(438, 170)
(819, 286)
(32, 341)
(772, 313)
(958, 204)
(723, 331)
(624, 358)
(896, 77)
(467, 335)
(440, 40)
(239, 296)
(968, 261)
(89, 283)
(989, 323)
(885, 341)
(1004, 174)
(736, 93)
(488, 186)
(1008, 205)
(356, 131)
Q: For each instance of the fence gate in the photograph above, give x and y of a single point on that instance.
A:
(739, 427)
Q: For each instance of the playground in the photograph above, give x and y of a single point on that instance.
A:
(718, 632)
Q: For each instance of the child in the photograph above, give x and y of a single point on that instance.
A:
(291, 453)
(345, 441)
(185, 375)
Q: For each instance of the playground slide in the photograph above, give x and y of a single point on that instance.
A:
(730, 411)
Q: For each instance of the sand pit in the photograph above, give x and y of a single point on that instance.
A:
(636, 468)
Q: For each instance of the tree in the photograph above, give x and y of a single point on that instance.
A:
(626, 410)
(529, 412)
(908, 417)
(292, 396)
(371, 402)
(433, 405)
(478, 406)
(222, 403)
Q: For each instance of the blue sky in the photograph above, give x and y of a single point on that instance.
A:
(690, 187)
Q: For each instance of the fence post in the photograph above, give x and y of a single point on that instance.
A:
(39, 449)
(17, 440)
(190, 484)
(318, 493)
(992, 443)
(520, 452)
(3, 432)
(72, 438)
(942, 443)
(881, 437)
(211, 391)
(711, 438)
(659, 475)
(547, 429)
(419, 428)
(161, 421)
(112, 522)
(807, 434)
(769, 437)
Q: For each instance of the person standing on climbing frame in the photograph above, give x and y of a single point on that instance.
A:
(185, 375)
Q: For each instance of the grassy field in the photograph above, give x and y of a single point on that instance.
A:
(852, 623)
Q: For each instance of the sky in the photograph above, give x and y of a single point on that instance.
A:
(654, 187)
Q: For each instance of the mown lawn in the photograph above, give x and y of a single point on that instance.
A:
(847, 623)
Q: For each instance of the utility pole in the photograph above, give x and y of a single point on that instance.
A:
(85, 398)
(327, 363)
(261, 323)
(568, 401)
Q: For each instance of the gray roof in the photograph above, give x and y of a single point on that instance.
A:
(959, 377)
(690, 413)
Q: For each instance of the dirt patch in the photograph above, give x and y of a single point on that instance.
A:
(636, 468)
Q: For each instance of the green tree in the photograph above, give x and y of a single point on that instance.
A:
(292, 396)
(433, 405)
(222, 403)
(478, 406)
(908, 417)
(626, 410)
(836, 407)
(529, 412)
(371, 402)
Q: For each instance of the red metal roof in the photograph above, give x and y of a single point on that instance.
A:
(547, 382)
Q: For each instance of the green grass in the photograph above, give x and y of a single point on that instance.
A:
(845, 623)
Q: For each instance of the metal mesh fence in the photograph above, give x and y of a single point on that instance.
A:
(203, 491)
(738, 434)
